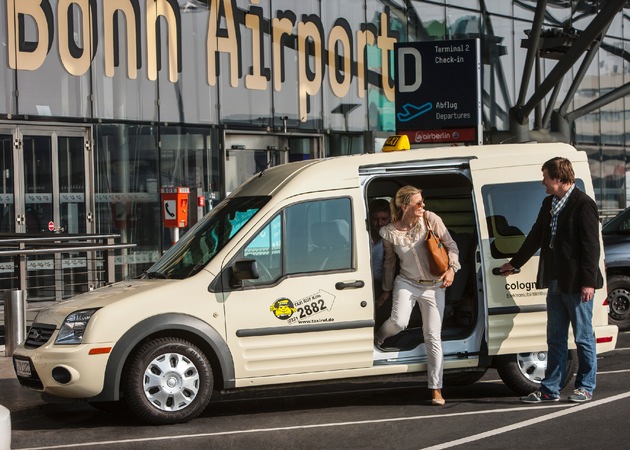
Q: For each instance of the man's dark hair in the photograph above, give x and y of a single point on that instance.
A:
(379, 205)
(560, 169)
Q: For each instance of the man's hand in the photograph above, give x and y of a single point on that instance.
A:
(587, 294)
(506, 269)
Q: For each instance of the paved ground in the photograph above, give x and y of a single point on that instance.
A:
(349, 414)
(6, 362)
(6, 365)
(6, 372)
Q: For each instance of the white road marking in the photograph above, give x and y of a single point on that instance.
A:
(613, 371)
(564, 406)
(498, 380)
(527, 423)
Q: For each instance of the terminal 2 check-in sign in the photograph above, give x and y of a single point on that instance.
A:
(438, 91)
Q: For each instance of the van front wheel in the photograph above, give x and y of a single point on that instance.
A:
(169, 380)
(523, 372)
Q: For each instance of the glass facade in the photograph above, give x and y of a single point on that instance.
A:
(160, 87)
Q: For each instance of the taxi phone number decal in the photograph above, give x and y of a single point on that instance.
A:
(303, 310)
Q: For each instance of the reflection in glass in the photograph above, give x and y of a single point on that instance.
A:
(7, 198)
(249, 101)
(266, 249)
(508, 222)
(71, 184)
(126, 198)
(206, 238)
(38, 183)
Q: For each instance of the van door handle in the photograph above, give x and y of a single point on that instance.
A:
(341, 285)
(497, 271)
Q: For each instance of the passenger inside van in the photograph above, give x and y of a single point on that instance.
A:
(379, 217)
(450, 197)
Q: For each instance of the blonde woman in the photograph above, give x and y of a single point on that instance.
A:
(415, 283)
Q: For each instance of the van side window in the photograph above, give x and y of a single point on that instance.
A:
(508, 221)
(511, 211)
(306, 237)
(266, 249)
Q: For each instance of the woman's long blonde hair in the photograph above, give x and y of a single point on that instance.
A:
(402, 198)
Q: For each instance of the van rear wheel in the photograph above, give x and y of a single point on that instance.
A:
(619, 301)
(169, 381)
(523, 372)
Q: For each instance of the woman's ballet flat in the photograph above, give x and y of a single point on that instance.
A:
(438, 402)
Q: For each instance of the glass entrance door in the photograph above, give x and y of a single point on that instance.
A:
(37, 188)
(47, 190)
(52, 185)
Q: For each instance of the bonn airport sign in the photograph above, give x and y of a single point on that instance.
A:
(438, 91)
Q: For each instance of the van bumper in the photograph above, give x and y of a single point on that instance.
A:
(61, 371)
(606, 338)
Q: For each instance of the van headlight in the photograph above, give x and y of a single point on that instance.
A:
(73, 327)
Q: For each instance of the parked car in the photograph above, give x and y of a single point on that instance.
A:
(616, 235)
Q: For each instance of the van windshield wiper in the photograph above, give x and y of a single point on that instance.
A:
(197, 267)
(156, 275)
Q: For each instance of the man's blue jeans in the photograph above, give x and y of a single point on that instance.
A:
(562, 310)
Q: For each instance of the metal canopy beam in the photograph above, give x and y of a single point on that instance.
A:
(584, 41)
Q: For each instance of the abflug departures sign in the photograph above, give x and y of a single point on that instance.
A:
(438, 91)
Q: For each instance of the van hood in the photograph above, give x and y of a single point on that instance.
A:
(99, 298)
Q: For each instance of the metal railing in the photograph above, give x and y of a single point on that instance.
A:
(56, 267)
(36, 271)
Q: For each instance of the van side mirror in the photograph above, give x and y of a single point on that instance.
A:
(244, 269)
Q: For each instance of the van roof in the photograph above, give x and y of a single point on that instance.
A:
(341, 172)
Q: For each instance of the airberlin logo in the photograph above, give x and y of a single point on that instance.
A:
(342, 50)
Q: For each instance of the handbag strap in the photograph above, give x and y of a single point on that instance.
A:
(430, 232)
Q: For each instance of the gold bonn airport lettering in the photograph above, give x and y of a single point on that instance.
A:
(305, 36)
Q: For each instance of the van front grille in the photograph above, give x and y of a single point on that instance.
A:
(38, 335)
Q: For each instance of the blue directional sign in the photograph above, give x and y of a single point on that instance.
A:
(438, 91)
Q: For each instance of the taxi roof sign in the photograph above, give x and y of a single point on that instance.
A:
(396, 143)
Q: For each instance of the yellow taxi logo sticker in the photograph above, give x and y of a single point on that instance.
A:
(282, 308)
(396, 143)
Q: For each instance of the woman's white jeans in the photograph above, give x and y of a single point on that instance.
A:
(430, 299)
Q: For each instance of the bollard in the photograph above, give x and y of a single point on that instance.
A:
(14, 320)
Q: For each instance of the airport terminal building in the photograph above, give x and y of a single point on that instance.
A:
(106, 102)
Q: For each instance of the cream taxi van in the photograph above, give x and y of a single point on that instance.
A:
(274, 286)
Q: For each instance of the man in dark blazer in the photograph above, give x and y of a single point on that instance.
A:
(567, 233)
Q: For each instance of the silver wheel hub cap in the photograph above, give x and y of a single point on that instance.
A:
(532, 365)
(171, 382)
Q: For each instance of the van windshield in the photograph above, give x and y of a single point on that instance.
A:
(204, 240)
